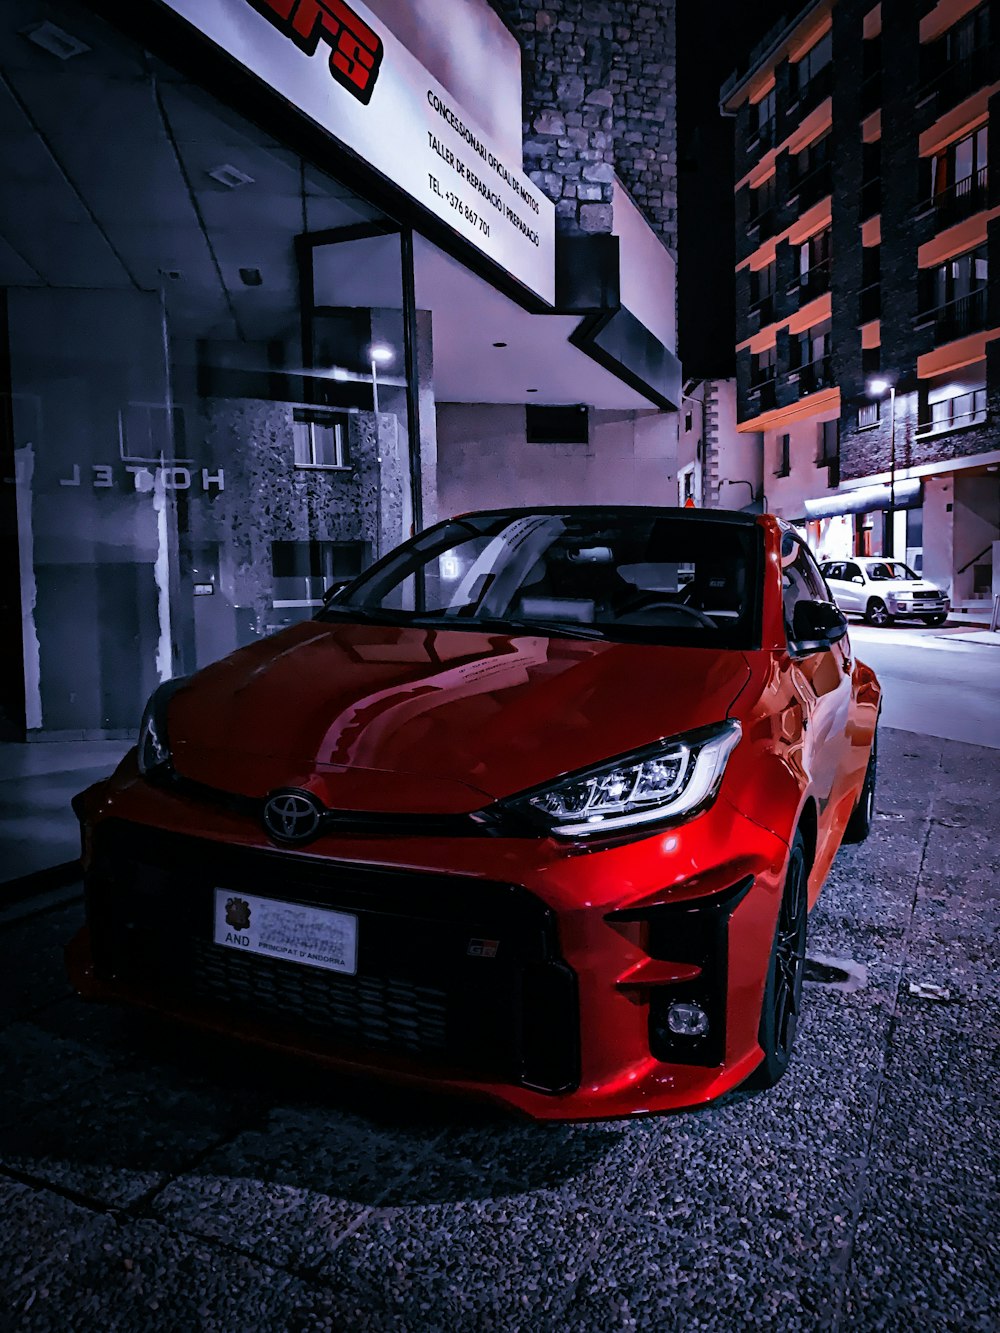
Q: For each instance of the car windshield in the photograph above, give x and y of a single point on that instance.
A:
(648, 575)
(887, 570)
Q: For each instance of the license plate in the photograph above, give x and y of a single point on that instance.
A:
(310, 936)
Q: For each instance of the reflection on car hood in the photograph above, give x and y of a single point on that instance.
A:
(388, 718)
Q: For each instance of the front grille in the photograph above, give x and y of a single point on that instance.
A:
(421, 988)
(373, 1011)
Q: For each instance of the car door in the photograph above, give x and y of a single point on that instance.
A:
(853, 584)
(821, 682)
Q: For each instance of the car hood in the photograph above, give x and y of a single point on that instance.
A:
(907, 586)
(384, 718)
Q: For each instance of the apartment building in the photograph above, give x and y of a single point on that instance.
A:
(868, 318)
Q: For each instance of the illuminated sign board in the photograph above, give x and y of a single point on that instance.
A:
(345, 70)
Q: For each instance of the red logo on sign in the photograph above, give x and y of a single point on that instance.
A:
(356, 51)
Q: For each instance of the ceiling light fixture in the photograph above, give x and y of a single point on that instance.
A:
(229, 176)
(499, 344)
(531, 391)
(57, 41)
(251, 277)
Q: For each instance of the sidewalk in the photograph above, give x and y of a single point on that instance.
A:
(38, 830)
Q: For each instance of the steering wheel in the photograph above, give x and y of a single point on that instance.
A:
(646, 600)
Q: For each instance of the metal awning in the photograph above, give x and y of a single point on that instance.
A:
(864, 499)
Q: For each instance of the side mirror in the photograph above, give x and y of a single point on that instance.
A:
(856, 578)
(816, 626)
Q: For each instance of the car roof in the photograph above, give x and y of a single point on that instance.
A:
(725, 516)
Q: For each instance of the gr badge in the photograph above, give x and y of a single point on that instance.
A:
(483, 948)
(356, 52)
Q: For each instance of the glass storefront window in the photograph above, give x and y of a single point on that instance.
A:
(206, 381)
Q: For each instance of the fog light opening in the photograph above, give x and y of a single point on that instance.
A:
(687, 1020)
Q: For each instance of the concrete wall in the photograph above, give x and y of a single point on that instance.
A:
(484, 460)
(806, 481)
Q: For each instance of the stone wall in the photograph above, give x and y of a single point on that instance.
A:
(599, 85)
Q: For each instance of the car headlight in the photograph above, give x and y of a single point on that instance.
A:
(662, 782)
(154, 745)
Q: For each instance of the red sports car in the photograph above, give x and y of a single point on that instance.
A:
(533, 809)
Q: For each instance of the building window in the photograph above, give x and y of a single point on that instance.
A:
(762, 366)
(868, 415)
(783, 458)
(815, 256)
(762, 284)
(762, 201)
(827, 443)
(762, 119)
(958, 294)
(806, 72)
(954, 406)
(688, 420)
(959, 177)
(810, 356)
(304, 570)
(320, 438)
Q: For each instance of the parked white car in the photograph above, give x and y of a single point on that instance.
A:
(884, 590)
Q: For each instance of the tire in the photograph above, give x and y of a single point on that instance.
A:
(877, 613)
(783, 988)
(939, 619)
(863, 815)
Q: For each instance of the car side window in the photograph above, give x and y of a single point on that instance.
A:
(800, 579)
(832, 571)
(853, 572)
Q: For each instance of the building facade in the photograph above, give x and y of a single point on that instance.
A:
(282, 281)
(868, 307)
(718, 465)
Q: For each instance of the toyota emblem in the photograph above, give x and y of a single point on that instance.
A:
(292, 816)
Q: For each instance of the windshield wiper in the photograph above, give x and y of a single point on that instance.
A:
(568, 628)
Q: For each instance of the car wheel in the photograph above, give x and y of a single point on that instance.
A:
(939, 619)
(863, 815)
(783, 989)
(877, 613)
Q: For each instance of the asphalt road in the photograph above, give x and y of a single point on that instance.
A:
(934, 683)
(152, 1181)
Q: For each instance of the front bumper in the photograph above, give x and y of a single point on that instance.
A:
(565, 1017)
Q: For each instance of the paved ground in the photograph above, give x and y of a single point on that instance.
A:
(38, 830)
(148, 1181)
(939, 682)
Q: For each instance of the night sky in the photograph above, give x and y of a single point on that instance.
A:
(712, 40)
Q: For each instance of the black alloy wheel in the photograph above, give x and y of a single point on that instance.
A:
(863, 815)
(783, 991)
(877, 613)
(937, 619)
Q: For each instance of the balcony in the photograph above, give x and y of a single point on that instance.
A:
(762, 137)
(954, 319)
(814, 375)
(957, 81)
(763, 224)
(761, 310)
(812, 186)
(815, 91)
(762, 396)
(816, 282)
(962, 199)
(871, 198)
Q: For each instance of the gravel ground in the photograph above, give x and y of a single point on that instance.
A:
(149, 1180)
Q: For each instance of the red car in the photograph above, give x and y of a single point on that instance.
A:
(533, 809)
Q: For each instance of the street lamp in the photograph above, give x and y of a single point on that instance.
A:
(879, 387)
(380, 354)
